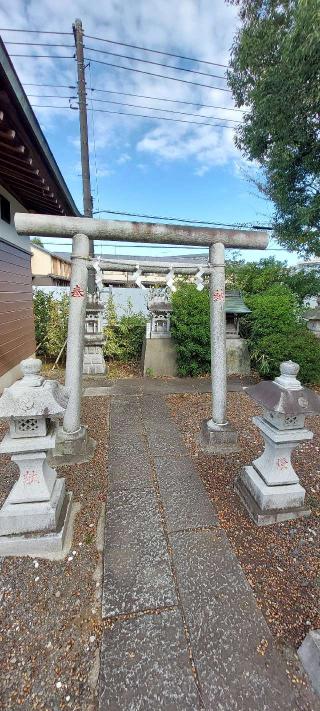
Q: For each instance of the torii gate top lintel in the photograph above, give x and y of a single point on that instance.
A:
(153, 232)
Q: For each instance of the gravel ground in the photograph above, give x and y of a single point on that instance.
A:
(281, 562)
(50, 611)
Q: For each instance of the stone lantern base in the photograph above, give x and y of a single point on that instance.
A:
(269, 504)
(44, 543)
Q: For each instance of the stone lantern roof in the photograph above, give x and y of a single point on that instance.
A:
(33, 396)
(285, 394)
(234, 303)
(159, 305)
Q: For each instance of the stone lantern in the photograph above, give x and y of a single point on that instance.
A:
(159, 352)
(37, 503)
(312, 316)
(159, 325)
(93, 360)
(270, 487)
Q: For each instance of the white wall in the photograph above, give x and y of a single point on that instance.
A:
(8, 232)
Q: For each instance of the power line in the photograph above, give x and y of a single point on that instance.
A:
(39, 32)
(43, 56)
(155, 108)
(51, 86)
(141, 96)
(158, 64)
(181, 219)
(128, 113)
(152, 74)
(157, 51)
(136, 106)
(40, 44)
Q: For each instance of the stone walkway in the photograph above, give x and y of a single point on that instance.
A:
(182, 628)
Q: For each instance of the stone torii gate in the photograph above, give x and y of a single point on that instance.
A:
(217, 434)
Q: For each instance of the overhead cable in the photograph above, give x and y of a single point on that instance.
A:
(136, 106)
(158, 64)
(182, 219)
(39, 32)
(152, 74)
(140, 96)
(157, 51)
(40, 44)
(146, 116)
(43, 56)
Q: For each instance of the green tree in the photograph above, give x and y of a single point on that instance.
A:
(303, 283)
(41, 310)
(256, 277)
(276, 332)
(57, 330)
(124, 335)
(37, 241)
(274, 73)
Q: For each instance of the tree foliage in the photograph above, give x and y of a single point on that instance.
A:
(51, 323)
(37, 241)
(276, 332)
(274, 329)
(124, 335)
(274, 74)
(190, 323)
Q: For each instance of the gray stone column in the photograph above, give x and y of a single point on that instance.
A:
(75, 342)
(218, 334)
(73, 443)
(217, 436)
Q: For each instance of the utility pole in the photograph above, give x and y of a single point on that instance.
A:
(84, 143)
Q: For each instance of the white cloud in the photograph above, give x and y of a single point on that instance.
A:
(197, 28)
(124, 158)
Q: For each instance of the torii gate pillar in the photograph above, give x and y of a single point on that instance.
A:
(217, 435)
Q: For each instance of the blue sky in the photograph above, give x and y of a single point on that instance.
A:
(143, 165)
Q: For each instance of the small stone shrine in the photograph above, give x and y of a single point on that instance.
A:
(312, 316)
(93, 360)
(159, 352)
(270, 488)
(238, 359)
(38, 503)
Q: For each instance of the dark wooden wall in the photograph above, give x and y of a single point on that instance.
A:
(16, 314)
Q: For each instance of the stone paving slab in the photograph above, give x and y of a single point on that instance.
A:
(226, 628)
(134, 474)
(137, 573)
(186, 503)
(145, 666)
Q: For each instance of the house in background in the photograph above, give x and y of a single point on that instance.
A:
(30, 181)
(49, 269)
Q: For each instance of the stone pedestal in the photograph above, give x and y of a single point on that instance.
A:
(270, 488)
(218, 439)
(93, 360)
(72, 447)
(159, 357)
(238, 359)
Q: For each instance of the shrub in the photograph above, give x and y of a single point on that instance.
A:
(57, 325)
(124, 335)
(51, 323)
(41, 310)
(191, 329)
(276, 332)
